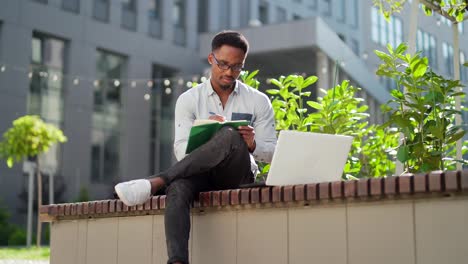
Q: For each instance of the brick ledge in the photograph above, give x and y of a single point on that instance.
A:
(394, 187)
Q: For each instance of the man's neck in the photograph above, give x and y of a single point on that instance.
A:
(223, 92)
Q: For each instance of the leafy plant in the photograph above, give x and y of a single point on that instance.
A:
(422, 109)
(288, 103)
(27, 138)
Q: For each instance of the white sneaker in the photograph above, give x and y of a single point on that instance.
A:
(134, 192)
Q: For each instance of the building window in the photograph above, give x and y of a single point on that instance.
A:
(355, 11)
(281, 15)
(41, 1)
(203, 18)
(224, 14)
(155, 18)
(463, 69)
(162, 121)
(342, 10)
(101, 10)
(426, 43)
(129, 15)
(263, 13)
(46, 89)
(71, 6)
(447, 54)
(312, 4)
(327, 7)
(178, 15)
(384, 32)
(106, 126)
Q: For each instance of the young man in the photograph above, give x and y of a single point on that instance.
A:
(224, 162)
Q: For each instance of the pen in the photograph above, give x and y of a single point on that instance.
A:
(212, 113)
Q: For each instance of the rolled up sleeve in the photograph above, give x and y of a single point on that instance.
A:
(265, 133)
(184, 117)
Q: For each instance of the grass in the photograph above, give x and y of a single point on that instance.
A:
(32, 253)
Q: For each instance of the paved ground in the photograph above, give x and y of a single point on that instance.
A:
(5, 261)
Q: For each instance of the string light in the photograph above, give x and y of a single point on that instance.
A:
(76, 81)
(189, 84)
(133, 84)
(55, 78)
(96, 83)
(30, 75)
(147, 97)
(150, 84)
(3, 68)
(167, 82)
(181, 81)
(203, 79)
(168, 90)
(116, 83)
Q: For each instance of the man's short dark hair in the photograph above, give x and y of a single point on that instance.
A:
(230, 38)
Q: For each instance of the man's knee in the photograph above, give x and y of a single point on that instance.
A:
(180, 190)
(230, 134)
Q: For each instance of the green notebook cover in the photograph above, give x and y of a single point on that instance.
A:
(200, 134)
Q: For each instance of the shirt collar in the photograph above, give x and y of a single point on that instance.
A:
(210, 91)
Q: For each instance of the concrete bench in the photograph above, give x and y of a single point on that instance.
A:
(406, 219)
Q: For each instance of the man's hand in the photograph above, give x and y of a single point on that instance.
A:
(248, 133)
(218, 118)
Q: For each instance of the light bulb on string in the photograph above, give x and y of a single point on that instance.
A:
(96, 83)
(181, 81)
(55, 78)
(195, 78)
(167, 82)
(150, 83)
(147, 97)
(189, 84)
(168, 90)
(3, 68)
(133, 84)
(76, 81)
(203, 79)
(116, 83)
(30, 75)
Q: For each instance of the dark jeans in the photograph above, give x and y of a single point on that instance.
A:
(221, 163)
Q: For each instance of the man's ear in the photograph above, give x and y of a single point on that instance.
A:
(210, 59)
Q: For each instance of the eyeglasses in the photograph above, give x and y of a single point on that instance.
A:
(225, 67)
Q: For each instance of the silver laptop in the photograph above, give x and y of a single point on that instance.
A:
(305, 157)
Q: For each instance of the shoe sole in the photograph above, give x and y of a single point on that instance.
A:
(121, 197)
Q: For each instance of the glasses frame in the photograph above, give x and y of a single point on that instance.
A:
(225, 67)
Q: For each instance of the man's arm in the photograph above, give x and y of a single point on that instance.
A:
(265, 133)
(183, 121)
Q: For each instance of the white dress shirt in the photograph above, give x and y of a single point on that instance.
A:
(244, 103)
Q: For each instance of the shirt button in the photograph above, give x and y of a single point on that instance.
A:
(219, 103)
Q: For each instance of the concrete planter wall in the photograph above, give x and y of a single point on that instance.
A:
(406, 219)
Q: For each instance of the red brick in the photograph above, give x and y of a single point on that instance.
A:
(53, 210)
(196, 203)
(79, 208)
(404, 184)
(265, 195)
(363, 187)
(350, 188)
(44, 209)
(288, 193)
(420, 183)
(147, 205)
(61, 209)
(245, 196)
(376, 186)
(91, 208)
(435, 181)
(140, 207)
(390, 185)
(162, 202)
(125, 208)
(299, 192)
(311, 191)
(73, 209)
(255, 195)
(225, 197)
(67, 209)
(105, 206)
(85, 208)
(324, 190)
(452, 180)
(119, 206)
(216, 198)
(235, 197)
(112, 206)
(337, 190)
(98, 206)
(276, 194)
(155, 202)
(464, 179)
(205, 199)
